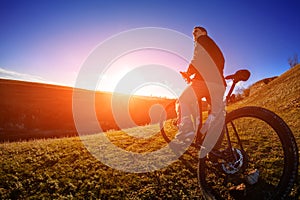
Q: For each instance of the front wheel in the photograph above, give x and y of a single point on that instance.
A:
(257, 159)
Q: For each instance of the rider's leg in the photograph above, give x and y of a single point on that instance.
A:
(186, 107)
(214, 124)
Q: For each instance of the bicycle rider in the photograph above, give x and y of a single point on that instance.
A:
(204, 47)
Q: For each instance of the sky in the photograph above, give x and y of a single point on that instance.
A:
(48, 41)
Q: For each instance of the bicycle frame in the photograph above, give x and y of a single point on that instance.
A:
(240, 75)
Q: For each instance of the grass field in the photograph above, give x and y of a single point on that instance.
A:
(64, 169)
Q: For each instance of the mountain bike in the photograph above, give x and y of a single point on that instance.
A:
(255, 156)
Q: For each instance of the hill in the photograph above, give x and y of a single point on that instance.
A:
(259, 84)
(36, 110)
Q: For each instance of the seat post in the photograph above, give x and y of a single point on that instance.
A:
(230, 91)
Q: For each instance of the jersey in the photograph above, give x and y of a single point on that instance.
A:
(214, 52)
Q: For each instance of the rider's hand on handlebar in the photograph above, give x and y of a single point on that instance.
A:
(186, 76)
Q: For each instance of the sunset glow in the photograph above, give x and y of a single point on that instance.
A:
(138, 66)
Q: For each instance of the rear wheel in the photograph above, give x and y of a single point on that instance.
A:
(168, 123)
(256, 144)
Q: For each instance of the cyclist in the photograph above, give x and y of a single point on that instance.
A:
(205, 49)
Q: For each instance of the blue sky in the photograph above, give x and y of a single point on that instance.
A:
(51, 39)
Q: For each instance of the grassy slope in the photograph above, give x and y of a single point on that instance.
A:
(63, 168)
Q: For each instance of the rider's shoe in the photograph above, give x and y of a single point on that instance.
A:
(178, 147)
(186, 130)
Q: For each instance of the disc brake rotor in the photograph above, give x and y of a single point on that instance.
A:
(234, 166)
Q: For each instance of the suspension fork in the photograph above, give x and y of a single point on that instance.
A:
(229, 140)
(229, 143)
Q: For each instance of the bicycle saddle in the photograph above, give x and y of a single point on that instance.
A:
(240, 75)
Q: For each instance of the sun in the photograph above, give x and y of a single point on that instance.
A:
(146, 72)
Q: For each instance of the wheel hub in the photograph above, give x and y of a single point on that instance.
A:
(235, 165)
